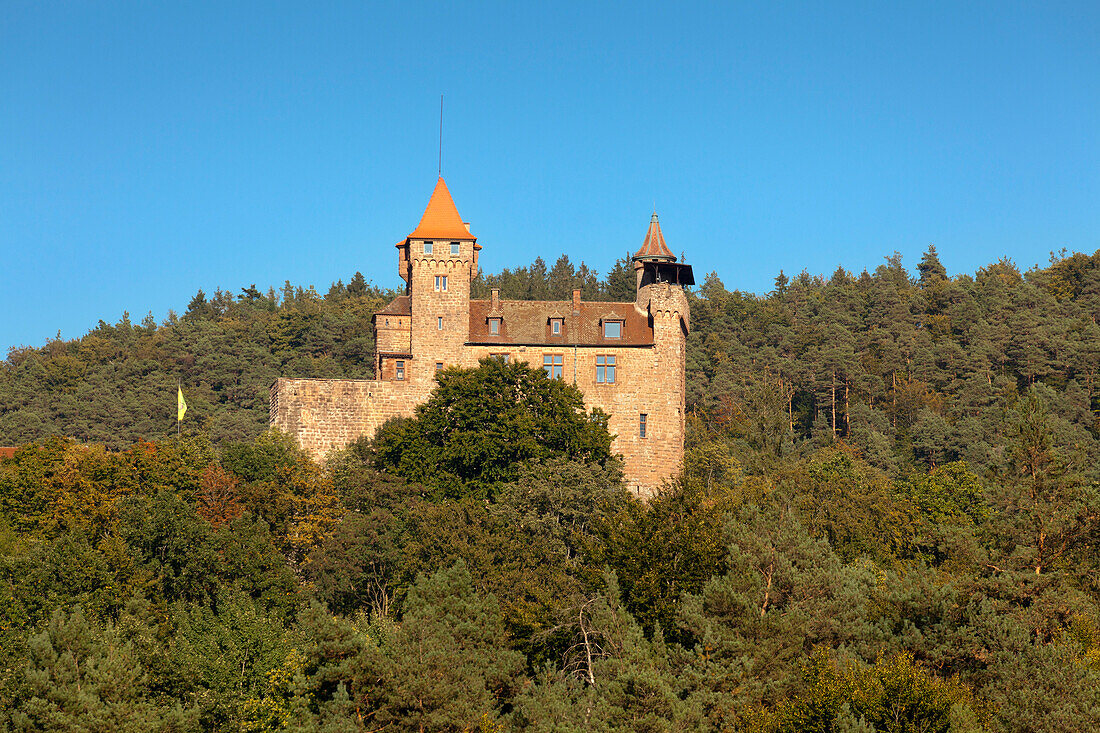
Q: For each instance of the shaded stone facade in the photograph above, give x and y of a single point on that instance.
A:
(627, 358)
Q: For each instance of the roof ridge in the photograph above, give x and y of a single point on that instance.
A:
(555, 302)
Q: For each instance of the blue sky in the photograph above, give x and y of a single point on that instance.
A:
(151, 149)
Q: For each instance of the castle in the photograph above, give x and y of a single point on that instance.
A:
(627, 358)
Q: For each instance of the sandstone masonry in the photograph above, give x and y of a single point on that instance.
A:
(627, 358)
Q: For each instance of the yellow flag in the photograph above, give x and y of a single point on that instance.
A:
(181, 405)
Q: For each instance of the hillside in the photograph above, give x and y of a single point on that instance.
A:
(907, 370)
(886, 521)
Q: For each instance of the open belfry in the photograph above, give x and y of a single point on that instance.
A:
(627, 358)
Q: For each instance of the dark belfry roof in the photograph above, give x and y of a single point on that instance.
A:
(666, 272)
(654, 247)
(529, 322)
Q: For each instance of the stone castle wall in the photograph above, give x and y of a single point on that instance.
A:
(429, 328)
(327, 414)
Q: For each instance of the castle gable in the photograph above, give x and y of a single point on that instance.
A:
(530, 322)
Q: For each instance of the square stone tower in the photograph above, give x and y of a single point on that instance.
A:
(626, 358)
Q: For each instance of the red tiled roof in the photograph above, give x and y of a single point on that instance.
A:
(399, 306)
(528, 322)
(7, 451)
(654, 247)
(441, 219)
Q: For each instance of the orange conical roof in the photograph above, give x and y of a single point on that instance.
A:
(654, 247)
(441, 219)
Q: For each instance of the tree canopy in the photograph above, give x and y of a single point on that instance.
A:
(886, 521)
(481, 424)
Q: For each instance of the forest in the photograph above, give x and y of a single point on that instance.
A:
(887, 520)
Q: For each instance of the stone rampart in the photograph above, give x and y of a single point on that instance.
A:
(328, 414)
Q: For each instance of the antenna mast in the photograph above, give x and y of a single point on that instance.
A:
(440, 135)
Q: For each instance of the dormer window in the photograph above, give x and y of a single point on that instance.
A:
(612, 329)
(427, 248)
(494, 325)
(455, 248)
(555, 326)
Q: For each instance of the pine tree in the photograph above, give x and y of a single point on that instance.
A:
(620, 283)
(930, 268)
(81, 677)
(447, 665)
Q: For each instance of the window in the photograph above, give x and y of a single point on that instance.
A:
(399, 370)
(387, 321)
(612, 329)
(555, 326)
(494, 325)
(427, 248)
(605, 369)
(552, 363)
(439, 323)
(438, 367)
(441, 283)
(454, 248)
(641, 424)
(503, 357)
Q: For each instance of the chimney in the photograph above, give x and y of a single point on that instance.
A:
(576, 301)
(495, 299)
(467, 225)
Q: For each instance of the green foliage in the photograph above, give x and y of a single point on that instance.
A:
(783, 593)
(951, 507)
(851, 505)
(564, 501)
(886, 521)
(949, 494)
(480, 424)
(906, 372)
(445, 667)
(81, 677)
(894, 695)
(525, 569)
(273, 455)
(117, 384)
(536, 282)
(1048, 509)
(219, 659)
(661, 550)
(613, 678)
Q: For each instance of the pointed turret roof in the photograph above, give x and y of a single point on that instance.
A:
(441, 219)
(654, 248)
